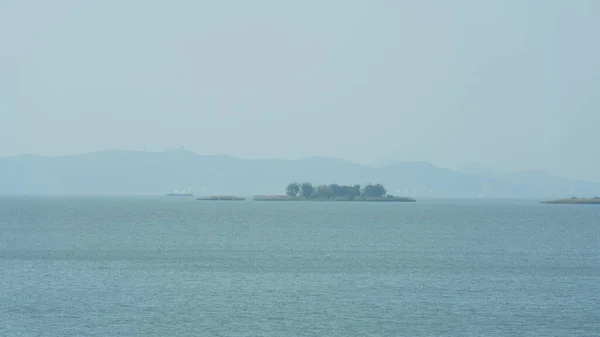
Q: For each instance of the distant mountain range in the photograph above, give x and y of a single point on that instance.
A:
(140, 172)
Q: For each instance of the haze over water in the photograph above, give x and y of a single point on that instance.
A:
(509, 84)
(167, 266)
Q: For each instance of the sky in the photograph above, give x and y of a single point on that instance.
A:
(510, 84)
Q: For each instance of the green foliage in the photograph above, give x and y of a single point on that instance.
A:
(337, 192)
(345, 190)
(306, 190)
(324, 192)
(374, 191)
(292, 189)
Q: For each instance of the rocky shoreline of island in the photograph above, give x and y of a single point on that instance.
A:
(574, 201)
(221, 198)
(287, 198)
(333, 192)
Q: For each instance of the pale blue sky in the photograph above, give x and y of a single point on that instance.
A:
(512, 84)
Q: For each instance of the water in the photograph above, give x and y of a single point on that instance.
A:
(178, 267)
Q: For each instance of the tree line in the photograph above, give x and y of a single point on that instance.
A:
(334, 191)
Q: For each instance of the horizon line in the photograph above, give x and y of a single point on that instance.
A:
(364, 164)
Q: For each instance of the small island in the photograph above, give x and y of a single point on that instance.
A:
(334, 192)
(574, 201)
(221, 198)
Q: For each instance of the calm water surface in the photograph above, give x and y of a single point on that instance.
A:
(178, 267)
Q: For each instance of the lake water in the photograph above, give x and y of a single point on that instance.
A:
(158, 266)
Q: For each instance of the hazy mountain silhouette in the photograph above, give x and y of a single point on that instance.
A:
(133, 172)
(534, 182)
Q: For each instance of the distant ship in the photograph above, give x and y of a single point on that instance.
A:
(184, 193)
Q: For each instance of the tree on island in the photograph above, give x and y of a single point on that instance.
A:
(292, 189)
(324, 192)
(335, 191)
(306, 190)
(374, 191)
(346, 190)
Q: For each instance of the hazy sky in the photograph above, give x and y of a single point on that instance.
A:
(513, 84)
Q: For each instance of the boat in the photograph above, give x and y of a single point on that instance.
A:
(182, 193)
